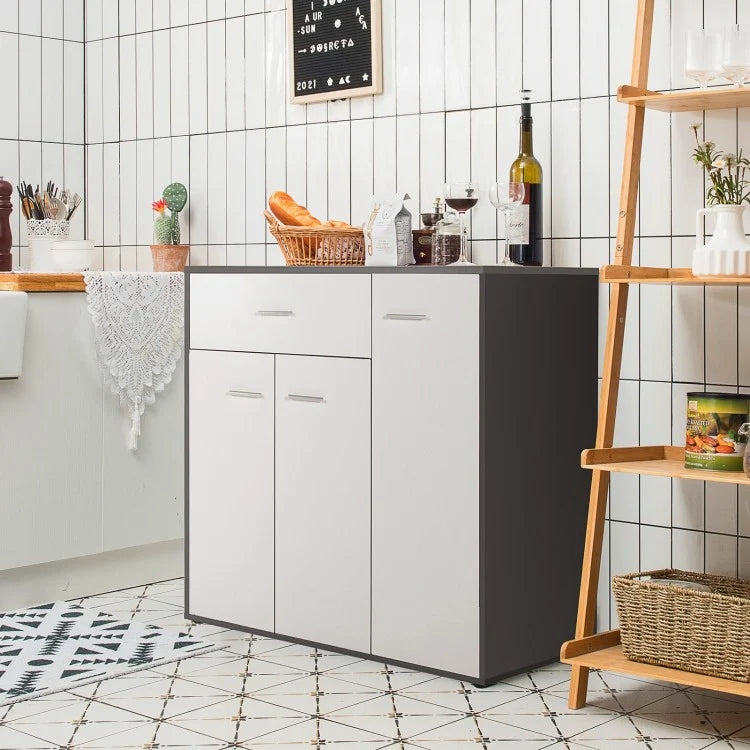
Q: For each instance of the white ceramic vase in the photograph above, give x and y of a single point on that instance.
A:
(728, 252)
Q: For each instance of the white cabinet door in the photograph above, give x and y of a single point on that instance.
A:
(425, 468)
(231, 498)
(323, 500)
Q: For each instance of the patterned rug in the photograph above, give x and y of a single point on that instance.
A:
(52, 647)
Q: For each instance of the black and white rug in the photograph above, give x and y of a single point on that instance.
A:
(53, 647)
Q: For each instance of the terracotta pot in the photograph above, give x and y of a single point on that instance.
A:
(170, 257)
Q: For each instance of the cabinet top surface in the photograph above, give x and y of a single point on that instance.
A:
(416, 270)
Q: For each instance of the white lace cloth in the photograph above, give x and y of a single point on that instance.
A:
(138, 329)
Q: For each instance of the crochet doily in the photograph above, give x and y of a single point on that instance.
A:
(138, 329)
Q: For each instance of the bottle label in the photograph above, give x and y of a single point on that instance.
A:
(518, 224)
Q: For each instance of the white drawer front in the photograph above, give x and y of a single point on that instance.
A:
(281, 313)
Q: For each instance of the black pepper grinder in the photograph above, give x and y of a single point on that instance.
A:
(6, 238)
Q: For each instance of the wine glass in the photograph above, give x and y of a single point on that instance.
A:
(703, 62)
(736, 56)
(462, 197)
(505, 197)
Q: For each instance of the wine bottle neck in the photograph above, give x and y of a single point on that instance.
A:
(526, 146)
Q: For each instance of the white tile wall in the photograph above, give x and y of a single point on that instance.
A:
(42, 122)
(196, 91)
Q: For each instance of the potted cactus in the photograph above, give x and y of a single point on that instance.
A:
(167, 252)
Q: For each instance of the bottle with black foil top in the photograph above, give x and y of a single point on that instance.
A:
(526, 228)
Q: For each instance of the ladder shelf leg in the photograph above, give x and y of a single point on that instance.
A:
(586, 621)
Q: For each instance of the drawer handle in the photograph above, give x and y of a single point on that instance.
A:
(305, 399)
(275, 313)
(404, 316)
(244, 394)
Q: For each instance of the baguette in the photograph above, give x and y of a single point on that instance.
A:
(289, 212)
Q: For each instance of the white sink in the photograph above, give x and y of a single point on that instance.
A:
(12, 333)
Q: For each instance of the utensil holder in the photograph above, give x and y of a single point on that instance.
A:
(42, 234)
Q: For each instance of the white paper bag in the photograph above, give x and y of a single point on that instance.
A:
(388, 233)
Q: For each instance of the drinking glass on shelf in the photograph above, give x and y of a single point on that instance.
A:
(704, 56)
(462, 197)
(736, 56)
(506, 197)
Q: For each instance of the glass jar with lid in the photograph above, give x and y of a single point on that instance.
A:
(446, 241)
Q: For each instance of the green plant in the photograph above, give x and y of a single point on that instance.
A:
(726, 172)
(167, 227)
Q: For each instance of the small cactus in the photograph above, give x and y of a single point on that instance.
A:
(163, 230)
(167, 228)
(175, 196)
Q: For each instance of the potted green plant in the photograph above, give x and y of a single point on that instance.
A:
(728, 251)
(167, 252)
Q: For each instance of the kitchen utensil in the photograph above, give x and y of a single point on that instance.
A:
(72, 203)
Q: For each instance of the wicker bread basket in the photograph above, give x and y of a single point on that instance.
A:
(323, 246)
(696, 631)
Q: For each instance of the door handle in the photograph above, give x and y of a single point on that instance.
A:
(275, 313)
(305, 399)
(404, 316)
(244, 394)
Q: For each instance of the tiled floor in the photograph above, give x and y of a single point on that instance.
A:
(259, 692)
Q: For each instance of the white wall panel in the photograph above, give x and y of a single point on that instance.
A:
(235, 73)
(144, 115)
(9, 115)
(216, 52)
(162, 84)
(30, 88)
(197, 76)
(128, 89)
(53, 90)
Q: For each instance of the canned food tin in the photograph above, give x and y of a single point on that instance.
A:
(713, 438)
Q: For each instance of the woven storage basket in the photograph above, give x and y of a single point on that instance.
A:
(695, 631)
(306, 246)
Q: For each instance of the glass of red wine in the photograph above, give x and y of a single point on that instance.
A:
(462, 197)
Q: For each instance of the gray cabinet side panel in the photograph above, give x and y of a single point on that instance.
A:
(540, 405)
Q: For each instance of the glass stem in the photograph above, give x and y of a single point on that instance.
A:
(462, 223)
(506, 260)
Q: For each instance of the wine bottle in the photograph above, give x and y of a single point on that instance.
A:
(526, 247)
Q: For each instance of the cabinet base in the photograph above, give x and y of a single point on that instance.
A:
(477, 682)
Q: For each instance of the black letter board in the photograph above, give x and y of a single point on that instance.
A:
(335, 49)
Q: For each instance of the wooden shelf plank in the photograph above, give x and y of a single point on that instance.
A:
(612, 659)
(685, 101)
(42, 282)
(657, 460)
(647, 275)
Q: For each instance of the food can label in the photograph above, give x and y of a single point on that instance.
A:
(713, 441)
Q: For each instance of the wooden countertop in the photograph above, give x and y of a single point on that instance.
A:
(42, 282)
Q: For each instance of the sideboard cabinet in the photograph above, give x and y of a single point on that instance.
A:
(384, 461)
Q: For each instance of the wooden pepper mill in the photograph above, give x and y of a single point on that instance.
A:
(6, 238)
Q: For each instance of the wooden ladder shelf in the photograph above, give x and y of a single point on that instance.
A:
(603, 650)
